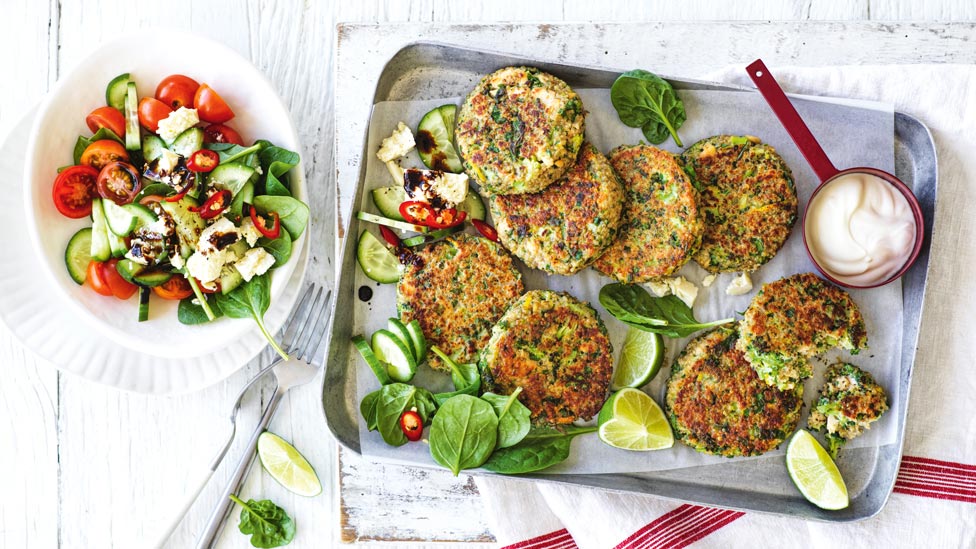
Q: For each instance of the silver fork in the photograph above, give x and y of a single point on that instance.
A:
(297, 370)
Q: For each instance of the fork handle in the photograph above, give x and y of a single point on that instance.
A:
(216, 522)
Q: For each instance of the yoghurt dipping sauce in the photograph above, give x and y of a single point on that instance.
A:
(860, 229)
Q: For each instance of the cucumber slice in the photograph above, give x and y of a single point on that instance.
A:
(129, 269)
(230, 279)
(142, 214)
(150, 278)
(374, 363)
(397, 328)
(231, 176)
(116, 90)
(152, 148)
(188, 224)
(131, 118)
(144, 304)
(188, 142)
(417, 339)
(435, 140)
(119, 219)
(77, 255)
(116, 243)
(431, 236)
(100, 249)
(388, 200)
(399, 360)
(473, 205)
(376, 261)
(402, 225)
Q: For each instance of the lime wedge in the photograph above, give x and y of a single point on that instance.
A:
(814, 473)
(640, 359)
(633, 421)
(286, 465)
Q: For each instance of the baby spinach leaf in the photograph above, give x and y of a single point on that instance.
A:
(393, 400)
(276, 160)
(280, 247)
(466, 378)
(463, 433)
(266, 523)
(241, 197)
(250, 300)
(647, 101)
(190, 313)
(229, 152)
(274, 187)
(368, 409)
(293, 213)
(540, 449)
(425, 403)
(632, 305)
(514, 419)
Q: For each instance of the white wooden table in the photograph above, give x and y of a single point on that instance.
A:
(83, 465)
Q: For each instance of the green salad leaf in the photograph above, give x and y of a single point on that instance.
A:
(541, 448)
(266, 523)
(463, 433)
(514, 419)
(292, 212)
(251, 300)
(632, 305)
(647, 101)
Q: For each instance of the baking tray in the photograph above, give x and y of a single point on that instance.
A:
(430, 70)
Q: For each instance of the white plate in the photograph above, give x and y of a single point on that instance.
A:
(36, 314)
(260, 114)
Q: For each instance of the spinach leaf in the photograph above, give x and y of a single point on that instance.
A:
(250, 300)
(241, 197)
(463, 433)
(426, 404)
(393, 400)
(540, 449)
(293, 213)
(632, 305)
(276, 160)
(190, 313)
(266, 523)
(514, 419)
(280, 247)
(647, 101)
(368, 409)
(103, 133)
(466, 378)
(229, 152)
(274, 187)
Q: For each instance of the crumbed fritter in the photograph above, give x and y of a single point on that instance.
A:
(850, 400)
(795, 318)
(718, 405)
(748, 201)
(662, 226)
(519, 130)
(457, 289)
(566, 227)
(557, 349)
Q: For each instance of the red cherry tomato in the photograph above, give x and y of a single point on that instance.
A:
(175, 288)
(203, 160)
(96, 280)
(74, 190)
(120, 287)
(210, 106)
(485, 229)
(106, 117)
(119, 182)
(151, 111)
(411, 425)
(177, 91)
(219, 133)
(103, 152)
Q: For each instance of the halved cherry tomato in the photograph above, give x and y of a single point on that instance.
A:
(177, 91)
(175, 288)
(103, 152)
(219, 133)
(417, 212)
(151, 111)
(203, 160)
(120, 287)
(74, 190)
(411, 425)
(119, 182)
(214, 206)
(106, 117)
(485, 229)
(390, 237)
(261, 223)
(96, 279)
(150, 198)
(210, 106)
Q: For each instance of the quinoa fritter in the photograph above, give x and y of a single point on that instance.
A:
(566, 227)
(457, 289)
(794, 318)
(557, 349)
(748, 201)
(718, 405)
(662, 226)
(519, 130)
(850, 400)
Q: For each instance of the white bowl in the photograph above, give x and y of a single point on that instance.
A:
(148, 57)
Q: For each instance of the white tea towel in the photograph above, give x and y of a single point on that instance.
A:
(934, 501)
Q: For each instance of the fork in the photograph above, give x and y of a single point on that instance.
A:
(306, 337)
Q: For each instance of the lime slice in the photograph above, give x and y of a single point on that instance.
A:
(814, 473)
(640, 359)
(633, 421)
(286, 465)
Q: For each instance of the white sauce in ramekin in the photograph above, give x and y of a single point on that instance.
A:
(860, 229)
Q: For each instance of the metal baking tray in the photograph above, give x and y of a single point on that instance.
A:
(430, 70)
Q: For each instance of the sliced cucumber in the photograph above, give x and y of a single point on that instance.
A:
(399, 360)
(78, 255)
(473, 205)
(244, 196)
(120, 220)
(231, 176)
(431, 236)
(402, 225)
(116, 243)
(142, 214)
(129, 269)
(374, 363)
(188, 142)
(150, 278)
(230, 278)
(188, 224)
(132, 142)
(116, 90)
(100, 249)
(144, 304)
(152, 148)
(417, 339)
(435, 140)
(388, 200)
(399, 329)
(377, 262)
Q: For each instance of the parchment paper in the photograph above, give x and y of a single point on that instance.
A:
(853, 133)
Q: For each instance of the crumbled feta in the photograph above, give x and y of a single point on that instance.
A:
(206, 267)
(708, 280)
(168, 161)
(435, 187)
(659, 287)
(177, 261)
(397, 145)
(684, 289)
(176, 123)
(741, 284)
(249, 232)
(222, 226)
(255, 262)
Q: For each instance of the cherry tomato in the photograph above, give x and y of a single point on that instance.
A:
(106, 117)
(150, 198)
(119, 182)
(177, 91)
(219, 133)
(74, 190)
(412, 425)
(120, 287)
(203, 160)
(210, 106)
(102, 152)
(96, 280)
(151, 111)
(485, 229)
(175, 288)
(268, 224)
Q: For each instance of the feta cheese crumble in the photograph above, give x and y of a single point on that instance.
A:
(680, 287)
(437, 188)
(255, 262)
(741, 284)
(176, 123)
(397, 145)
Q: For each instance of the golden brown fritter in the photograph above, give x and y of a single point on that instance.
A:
(850, 401)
